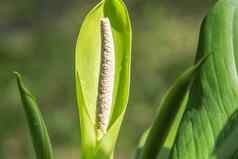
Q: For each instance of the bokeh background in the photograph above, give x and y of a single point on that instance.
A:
(37, 38)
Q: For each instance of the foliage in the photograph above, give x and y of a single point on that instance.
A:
(36, 123)
(214, 93)
(208, 125)
(197, 117)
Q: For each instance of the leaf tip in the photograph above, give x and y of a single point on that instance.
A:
(20, 84)
(17, 75)
(18, 79)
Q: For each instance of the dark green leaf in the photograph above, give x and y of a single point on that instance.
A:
(214, 93)
(38, 130)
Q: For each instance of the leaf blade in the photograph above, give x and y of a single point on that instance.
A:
(169, 115)
(38, 130)
(214, 93)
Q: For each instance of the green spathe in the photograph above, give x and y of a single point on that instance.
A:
(87, 64)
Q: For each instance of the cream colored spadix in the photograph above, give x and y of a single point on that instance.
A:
(106, 79)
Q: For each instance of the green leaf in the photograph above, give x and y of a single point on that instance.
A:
(226, 138)
(169, 141)
(162, 133)
(87, 64)
(214, 93)
(38, 130)
(141, 144)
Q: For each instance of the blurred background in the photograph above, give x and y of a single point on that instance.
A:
(37, 38)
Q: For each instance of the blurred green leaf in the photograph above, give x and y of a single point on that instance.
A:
(38, 130)
(214, 93)
(88, 51)
(141, 144)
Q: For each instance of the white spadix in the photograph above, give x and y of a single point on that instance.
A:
(106, 79)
